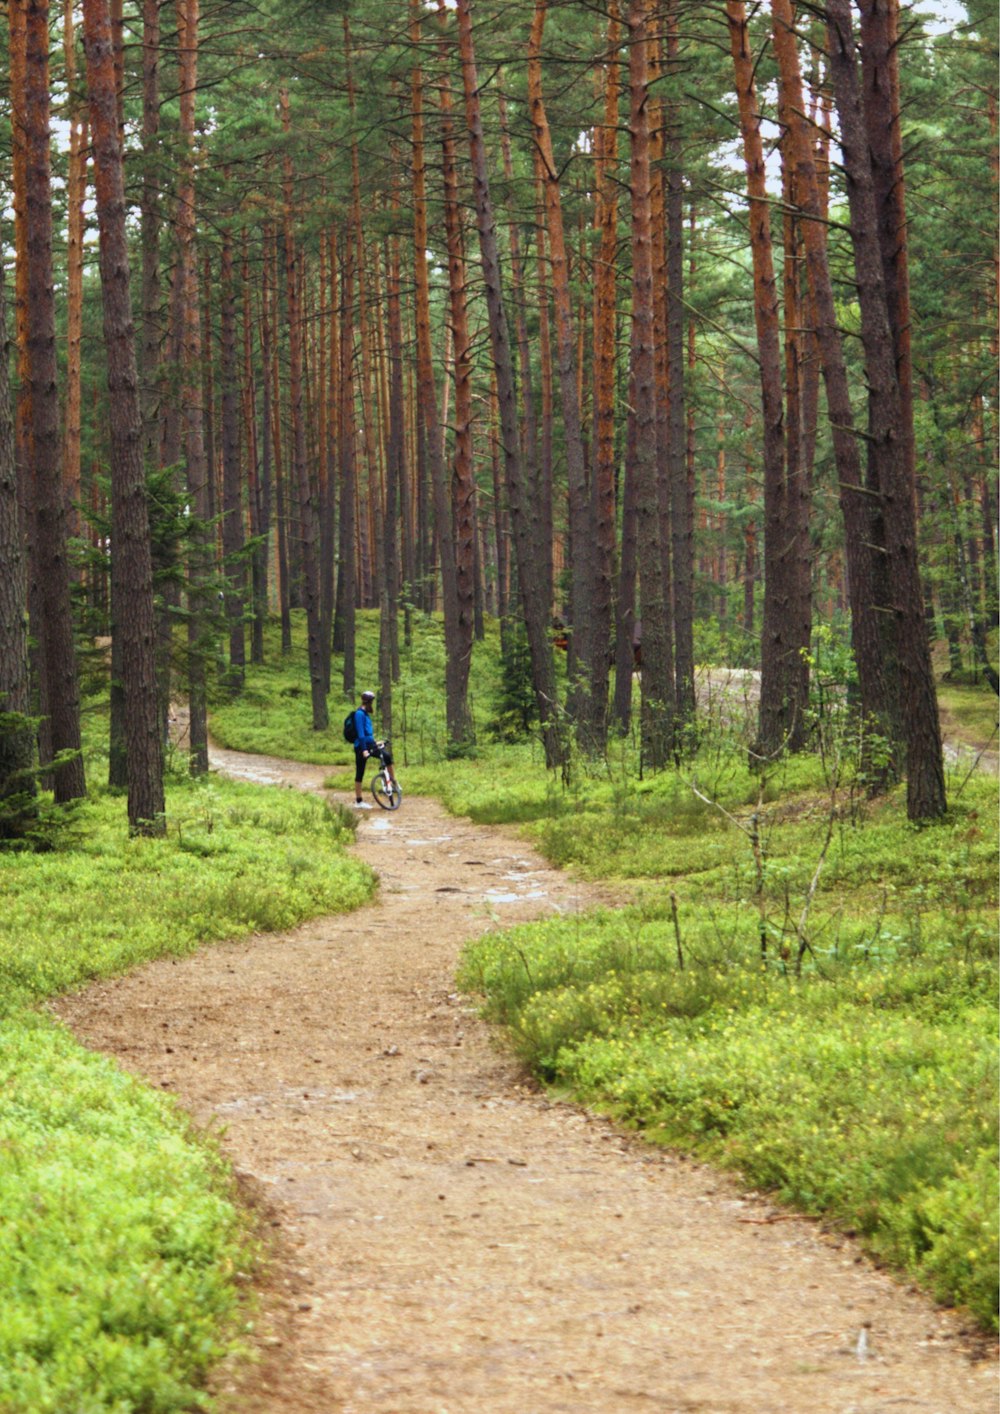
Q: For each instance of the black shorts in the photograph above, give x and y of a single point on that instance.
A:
(361, 761)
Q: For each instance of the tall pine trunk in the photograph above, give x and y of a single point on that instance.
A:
(187, 305)
(658, 700)
(860, 532)
(778, 710)
(456, 511)
(889, 441)
(76, 186)
(234, 569)
(604, 331)
(681, 490)
(581, 537)
(132, 562)
(309, 520)
(525, 538)
(50, 549)
(17, 785)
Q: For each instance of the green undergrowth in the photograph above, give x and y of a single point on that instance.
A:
(120, 1244)
(804, 990)
(120, 1240)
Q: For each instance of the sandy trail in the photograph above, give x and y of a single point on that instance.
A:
(448, 1239)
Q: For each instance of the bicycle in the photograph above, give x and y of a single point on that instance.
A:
(385, 787)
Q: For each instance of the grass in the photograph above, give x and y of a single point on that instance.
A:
(121, 1243)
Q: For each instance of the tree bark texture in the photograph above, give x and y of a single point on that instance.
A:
(51, 557)
(17, 745)
(132, 563)
(581, 537)
(681, 489)
(658, 698)
(605, 323)
(309, 520)
(187, 304)
(889, 443)
(780, 718)
(536, 618)
(858, 521)
(234, 569)
(456, 504)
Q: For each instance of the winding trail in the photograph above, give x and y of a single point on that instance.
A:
(448, 1240)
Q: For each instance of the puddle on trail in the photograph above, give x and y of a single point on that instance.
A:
(502, 896)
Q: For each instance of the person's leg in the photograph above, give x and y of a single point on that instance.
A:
(386, 755)
(359, 775)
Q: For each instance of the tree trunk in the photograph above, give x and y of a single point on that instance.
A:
(191, 393)
(661, 338)
(625, 625)
(858, 526)
(18, 807)
(681, 492)
(394, 477)
(18, 25)
(344, 627)
(536, 617)
(581, 535)
(658, 700)
(779, 707)
(132, 562)
(543, 488)
(889, 442)
(456, 512)
(309, 521)
(76, 187)
(330, 394)
(234, 570)
(604, 333)
(529, 421)
(52, 564)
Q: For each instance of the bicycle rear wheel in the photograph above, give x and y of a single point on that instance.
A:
(386, 793)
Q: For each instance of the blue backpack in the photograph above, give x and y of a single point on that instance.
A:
(351, 727)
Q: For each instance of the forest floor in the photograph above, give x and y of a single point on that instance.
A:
(446, 1238)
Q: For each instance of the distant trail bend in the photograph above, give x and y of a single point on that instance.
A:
(449, 1240)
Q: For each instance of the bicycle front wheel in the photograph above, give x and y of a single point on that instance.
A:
(386, 793)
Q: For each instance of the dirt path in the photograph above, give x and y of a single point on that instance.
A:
(450, 1240)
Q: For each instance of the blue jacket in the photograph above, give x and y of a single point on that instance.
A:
(365, 737)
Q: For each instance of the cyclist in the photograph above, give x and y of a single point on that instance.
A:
(365, 745)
